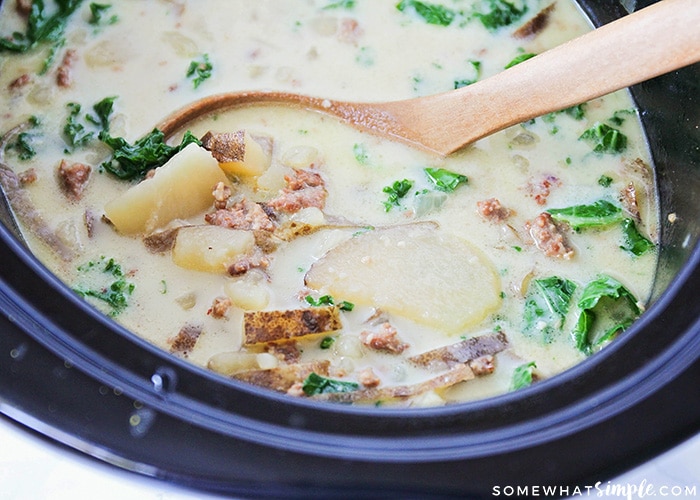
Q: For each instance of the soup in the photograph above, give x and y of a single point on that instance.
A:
(281, 247)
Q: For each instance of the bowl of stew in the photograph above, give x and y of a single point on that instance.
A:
(268, 301)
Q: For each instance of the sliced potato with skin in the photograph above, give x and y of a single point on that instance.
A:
(210, 248)
(273, 326)
(282, 378)
(179, 189)
(229, 363)
(417, 271)
(238, 153)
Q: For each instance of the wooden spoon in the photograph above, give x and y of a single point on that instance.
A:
(653, 41)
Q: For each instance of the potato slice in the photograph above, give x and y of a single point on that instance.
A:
(229, 363)
(271, 326)
(238, 153)
(283, 377)
(179, 189)
(210, 248)
(414, 270)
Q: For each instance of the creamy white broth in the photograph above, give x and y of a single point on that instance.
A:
(301, 47)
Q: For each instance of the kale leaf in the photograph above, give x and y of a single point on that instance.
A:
(75, 133)
(607, 308)
(522, 376)
(395, 192)
(98, 11)
(41, 28)
(600, 213)
(316, 384)
(133, 161)
(518, 59)
(500, 13)
(634, 242)
(476, 65)
(200, 70)
(605, 139)
(546, 306)
(431, 13)
(108, 284)
(444, 180)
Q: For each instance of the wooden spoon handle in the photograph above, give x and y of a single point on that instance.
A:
(653, 41)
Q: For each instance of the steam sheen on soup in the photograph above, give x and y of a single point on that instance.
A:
(282, 248)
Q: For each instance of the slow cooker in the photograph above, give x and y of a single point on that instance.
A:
(81, 379)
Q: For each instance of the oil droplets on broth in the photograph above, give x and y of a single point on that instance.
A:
(284, 249)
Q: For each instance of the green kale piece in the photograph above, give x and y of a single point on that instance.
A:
(395, 192)
(607, 308)
(546, 306)
(518, 59)
(605, 180)
(605, 139)
(133, 161)
(500, 13)
(444, 180)
(316, 384)
(360, 152)
(23, 144)
(522, 376)
(75, 132)
(634, 242)
(431, 13)
(341, 4)
(476, 65)
(98, 13)
(103, 110)
(111, 286)
(326, 342)
(200, 70)
(41, 27)
(600, 213)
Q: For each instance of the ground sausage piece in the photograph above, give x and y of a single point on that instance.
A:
(296, 389)
(368, 378)
(385, 339)
(221, 194)
(482, 365)
(20, 81)
(242, 215)
(350, 31)
(492, 210)
(64, 75)
(540, 190)
(258, 260)
(29, 176)
(89, 218)
(304, 189)
(548, 237)
(73, 178)
(220, 307)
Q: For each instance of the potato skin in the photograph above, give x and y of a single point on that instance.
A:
(273, 326)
